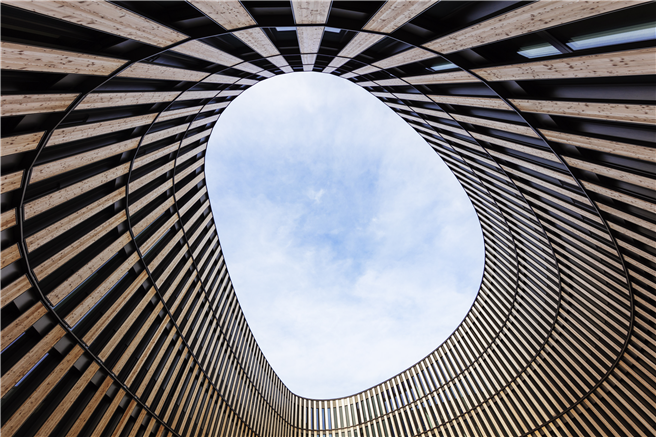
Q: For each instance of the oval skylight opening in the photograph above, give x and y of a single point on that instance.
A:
(353, 250)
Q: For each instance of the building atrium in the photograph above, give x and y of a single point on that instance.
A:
(119, 317)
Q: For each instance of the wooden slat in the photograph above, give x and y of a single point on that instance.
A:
(205, 52)
(142, 70)
(310, 11)
(514, 146)
(30, 58)
(75, 133)
(413, 55)
(257, 40)
(62, 290)
(55, 168)
(31, 403)
(280, 62)
(221, 78)
(623, 176)
(393, 14)
(605, 111)
(110, 100)
(613, 147)
(229, 14)
(440, 78)
(626, 63)
(8, 219)
(9, 255)
(13, 290)
(90, 407)
(197, 95)
(360, 42)
(20, 143)
(506, 127)
(44, 203)
(66, 403)
(35, 103)
(75, 247)
(309, 39)
(164, 133)
(170, 115)
(530, 18)
(479, 102)
(22, 323)
(106, 17)
(11, 181)
(29, 360)
(53, 231)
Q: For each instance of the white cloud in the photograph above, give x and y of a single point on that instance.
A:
(352, 248)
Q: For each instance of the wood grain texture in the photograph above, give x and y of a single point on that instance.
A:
(631, 178)
(310, 11)
(257, 40)
(20, 143)
(22, 323)
(111, 100)
(30, 359)
(79, 276)
(67, 223)
(626, 63)
(413, 55)
(645, 114)
(229, 14)
(12, 425)
(13, 290)
(44, 203)
(633, 201)
(75, 247)
(393, 14)
(360, 42)
(221, 78)
(613, 147)
(84, 131)
(143, 70)
(498, 125)
(478, 102)
(106, 17)
(51, 169)
(35, 103)
(30, 58)
(309, 39)
(519, 147)
(10, 182)
(441, 78)
(197, 49)
(526, 19)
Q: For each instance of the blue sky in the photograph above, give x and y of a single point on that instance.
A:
(353, 250)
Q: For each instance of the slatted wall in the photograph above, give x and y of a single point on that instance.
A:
(118, 314)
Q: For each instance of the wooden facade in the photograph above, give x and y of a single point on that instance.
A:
(118, 313)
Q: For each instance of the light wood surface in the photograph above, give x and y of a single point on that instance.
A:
(16, 328)
(413, 55)
(309, 38)
(75, 133)
(360, 42)
(519, 147)
(13, 290)
(111, 100)
(257, 40)
(229, 14)
(604, 111)
(205, 52)
(143, 70)
(105, 17)
(613, 147)
(30, 58)
(526, 19)
(51, 169)
(44, 203)
(631, 178)
(23, 104)
(220, 78)
(627, 63)
(56, 229)
(20, 143)
(502, 126)
(10, 182)
(310, 11)
(393, 14)
(440, 78)
(479, 102)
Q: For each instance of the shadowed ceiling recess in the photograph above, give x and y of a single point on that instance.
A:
(118, 314)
